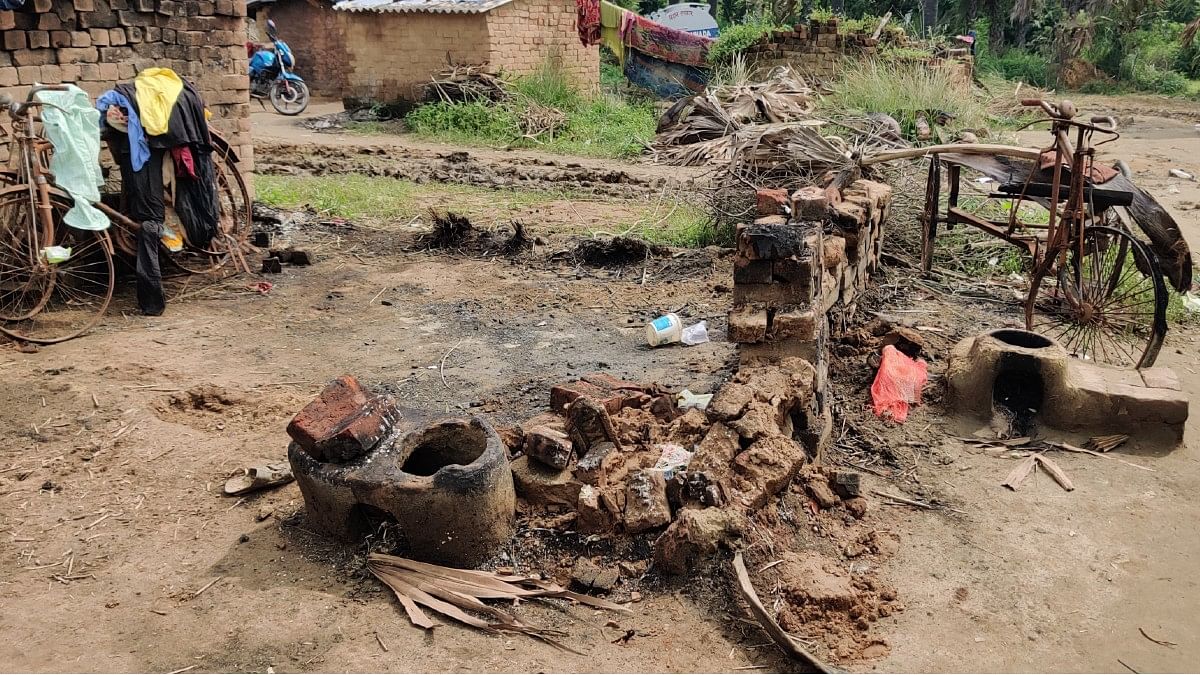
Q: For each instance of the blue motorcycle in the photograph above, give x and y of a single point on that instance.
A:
(271, 76)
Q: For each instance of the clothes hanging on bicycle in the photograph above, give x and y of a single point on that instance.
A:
(195, 194)
(139, 147)
(72, 125)
(12, 4)
(185, 164)
(156, 91)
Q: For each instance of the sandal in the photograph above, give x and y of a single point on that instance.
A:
(259, 478)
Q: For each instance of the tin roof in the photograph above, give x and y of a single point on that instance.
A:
(435, 6)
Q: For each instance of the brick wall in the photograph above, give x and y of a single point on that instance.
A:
(98, 43)
(818, 48)
(312, 30)
(524, 34)
(392, 55)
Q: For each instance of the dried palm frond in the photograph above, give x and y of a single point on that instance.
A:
(459, 594)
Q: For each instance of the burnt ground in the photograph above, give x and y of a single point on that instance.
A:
(116, 445)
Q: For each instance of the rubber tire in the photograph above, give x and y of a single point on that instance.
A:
(275, 97)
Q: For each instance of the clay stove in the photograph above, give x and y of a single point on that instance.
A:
(445, 481)
(1039, 383)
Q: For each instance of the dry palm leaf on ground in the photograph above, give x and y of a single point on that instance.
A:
(459, 595)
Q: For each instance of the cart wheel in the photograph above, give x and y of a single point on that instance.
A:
(79, 287)
(933, 188)
(1107, 303)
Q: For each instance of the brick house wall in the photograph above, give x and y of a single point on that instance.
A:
(526, 33)
(317, 39)
(392, 55)
(97, 43)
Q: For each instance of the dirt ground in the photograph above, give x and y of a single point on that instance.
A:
(118, 553)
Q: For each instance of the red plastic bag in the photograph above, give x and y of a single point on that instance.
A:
(897, 384)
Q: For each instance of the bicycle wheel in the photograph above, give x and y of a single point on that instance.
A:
(81, 288)
(229, 225)
(1107, 303)
(25, 284)
(241, 194)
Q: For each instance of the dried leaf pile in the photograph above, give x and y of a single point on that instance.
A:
(459, 595)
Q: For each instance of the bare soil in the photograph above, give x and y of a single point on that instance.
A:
(118, 552)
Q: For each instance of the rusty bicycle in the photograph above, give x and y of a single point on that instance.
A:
(57, 281)
(1093, 285)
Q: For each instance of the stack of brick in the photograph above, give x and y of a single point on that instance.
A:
(818, 48)
(806, 254)
(98, 43)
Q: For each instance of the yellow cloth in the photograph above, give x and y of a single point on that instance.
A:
(157, 91)
(610, 29)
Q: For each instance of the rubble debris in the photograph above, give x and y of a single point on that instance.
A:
(549, 446)
(910, 342)
(646, 505)
(261, 477)
(292, 256)
(589, 576)
(271, 265)
(817, 485)
(544, 485)
(458, 594)
(588, 424)
(694, 534)
(856, 507)
(616, 251)
(787, 643)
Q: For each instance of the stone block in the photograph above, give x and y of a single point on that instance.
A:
(774, 294)
(590, 515)
(696, 534)
(646, 505)
(770, 241)
(14, 40)
(747, 324)
(772, 202)
(343, 422)
(8, 20)
(768, 465)
(794, 323)
(549, 446)
(594, 467)
(810, 203)
(847, 484)
(793, 269)
(543, 485)
(746, 271)
(38, 39)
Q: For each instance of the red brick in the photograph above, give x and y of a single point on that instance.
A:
(7, 20)
(747, 324)
(343, 422)
(549, 446)
(772, 202)
(14, 39)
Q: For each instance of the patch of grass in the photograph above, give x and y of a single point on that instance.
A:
(685, 226)
(1016, 65)
(355, 196)
(601, 125)
(903, 90)
(375, 127)
(349, 196)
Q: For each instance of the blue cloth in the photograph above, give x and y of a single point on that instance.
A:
(11, 4)
(139, 147)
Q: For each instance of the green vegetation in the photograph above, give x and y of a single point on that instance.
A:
(597, 125)
(903, 90)
(686, 226)
(735, 39)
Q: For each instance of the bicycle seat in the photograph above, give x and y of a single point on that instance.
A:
(1100, 198)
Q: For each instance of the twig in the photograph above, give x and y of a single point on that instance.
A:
(1131, 668)
(380, 641)
(903, 500)
(442, 366)
(181, 670)
(1165, 643)
(377, 295)
(207, 586)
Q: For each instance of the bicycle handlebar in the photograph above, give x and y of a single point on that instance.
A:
(19, 109)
